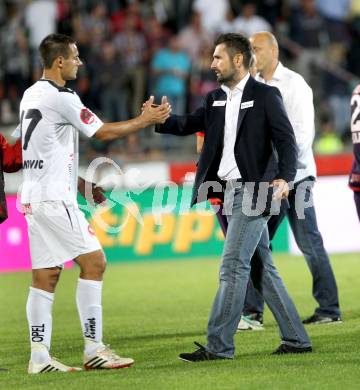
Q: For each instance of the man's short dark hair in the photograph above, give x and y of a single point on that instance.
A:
(54, 46)
(235, 44)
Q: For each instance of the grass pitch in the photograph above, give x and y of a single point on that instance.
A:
(153, 311)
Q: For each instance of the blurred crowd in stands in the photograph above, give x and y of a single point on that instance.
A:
(134, 48)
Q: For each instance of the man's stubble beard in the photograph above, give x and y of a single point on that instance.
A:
(228, 78)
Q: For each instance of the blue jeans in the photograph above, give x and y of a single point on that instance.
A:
(309, 241)
(244, 234)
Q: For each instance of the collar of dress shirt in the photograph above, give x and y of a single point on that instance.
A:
(279, 71)
(239, 86)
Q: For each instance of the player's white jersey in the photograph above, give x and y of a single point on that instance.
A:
(50, 117)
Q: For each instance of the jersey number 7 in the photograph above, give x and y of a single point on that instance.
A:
(35, 116)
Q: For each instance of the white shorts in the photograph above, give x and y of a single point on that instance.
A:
(58, 232)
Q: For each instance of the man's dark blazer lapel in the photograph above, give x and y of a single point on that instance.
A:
(248, 95)
(220, 95)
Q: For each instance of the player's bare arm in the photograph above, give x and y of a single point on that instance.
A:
(150, 115)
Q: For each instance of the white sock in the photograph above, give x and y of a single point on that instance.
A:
(88, 300)
(39, 315)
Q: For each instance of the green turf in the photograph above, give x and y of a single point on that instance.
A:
(153, 311)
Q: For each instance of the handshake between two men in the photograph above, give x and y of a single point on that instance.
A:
(156, 113)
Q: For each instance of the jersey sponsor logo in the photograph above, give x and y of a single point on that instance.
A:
(33, 164)
(87, 116)
(37, 333)
(90, 328)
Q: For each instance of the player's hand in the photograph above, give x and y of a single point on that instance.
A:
(91, 192)
(153, 114)
(98, 194)
(281, 189)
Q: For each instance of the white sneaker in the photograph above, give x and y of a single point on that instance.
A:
(52, 366)
(107, 359)
(247, 323)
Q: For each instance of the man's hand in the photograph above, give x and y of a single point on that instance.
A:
(154, 114)
(96, 193)
(151, 114)
(281, 190)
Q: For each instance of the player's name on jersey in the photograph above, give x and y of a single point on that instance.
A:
(33, 164)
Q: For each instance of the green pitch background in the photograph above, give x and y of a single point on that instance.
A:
(155, 310)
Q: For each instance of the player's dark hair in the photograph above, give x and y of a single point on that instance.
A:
(54, 46)
(235, 44)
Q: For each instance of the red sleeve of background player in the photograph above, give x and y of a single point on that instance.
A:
(11, 155)
(200, 134)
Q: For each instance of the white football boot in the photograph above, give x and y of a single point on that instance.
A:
(52, 366)
(105, 358)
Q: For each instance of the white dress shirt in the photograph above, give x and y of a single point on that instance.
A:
(298, 102)
(228, 168)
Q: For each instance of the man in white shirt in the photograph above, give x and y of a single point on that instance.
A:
(51, 117)
(248, 22)
(298, 102)
(213, 13)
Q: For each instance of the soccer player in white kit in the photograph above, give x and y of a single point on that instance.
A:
(51, 117)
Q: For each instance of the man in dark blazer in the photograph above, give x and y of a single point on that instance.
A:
(244, 122)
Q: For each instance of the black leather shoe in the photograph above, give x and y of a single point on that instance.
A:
(284, 348)
(318, 319)
(199, 355)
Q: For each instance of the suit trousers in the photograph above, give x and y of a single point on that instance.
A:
(244, 234)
